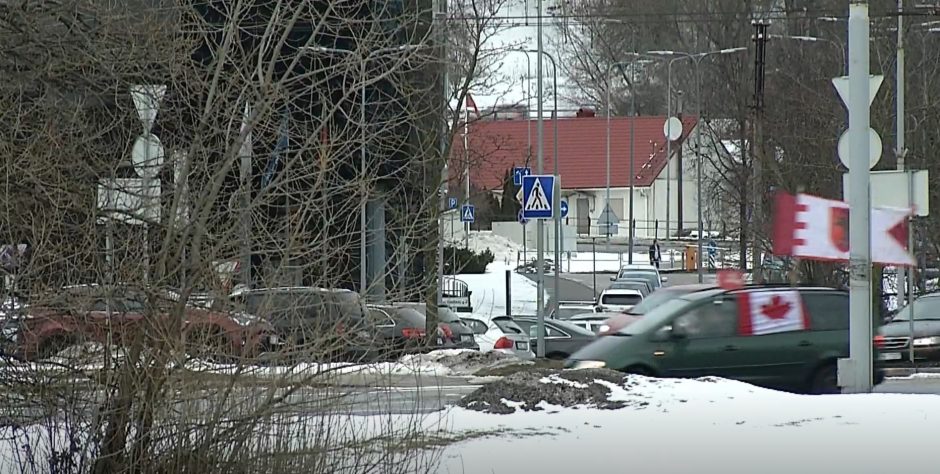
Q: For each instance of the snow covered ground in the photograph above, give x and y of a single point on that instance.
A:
(715, 425)
(609, 262)
(488, 296)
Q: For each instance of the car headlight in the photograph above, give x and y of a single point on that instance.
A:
(589, 364)
(927, 341)
(604, 328)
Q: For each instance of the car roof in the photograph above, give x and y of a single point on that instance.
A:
(620, 291)
(713, 291)
(288, 289)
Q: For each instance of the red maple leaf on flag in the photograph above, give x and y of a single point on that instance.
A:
(777, 308)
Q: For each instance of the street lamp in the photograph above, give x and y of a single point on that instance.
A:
(696, 59)
(814, 39)
(632, 63)
(556, 198)
(363, 60)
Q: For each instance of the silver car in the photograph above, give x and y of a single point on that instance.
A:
(500, 334)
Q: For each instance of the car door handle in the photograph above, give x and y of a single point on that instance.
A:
(731, 348)
(805, 344)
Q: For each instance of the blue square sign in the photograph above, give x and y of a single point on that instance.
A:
(452, 203)
(518, 173)
(467, 213)
(537, 191)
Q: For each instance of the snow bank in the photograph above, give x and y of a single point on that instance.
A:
(724, 426)
(503, 249)
(488, 296)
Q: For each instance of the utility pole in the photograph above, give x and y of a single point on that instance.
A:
(757, 147)
(439, 23)
(540, 227)
(899, 141)
(632, 146)
(855, 374)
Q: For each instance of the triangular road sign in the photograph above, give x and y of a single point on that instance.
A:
(842, 87)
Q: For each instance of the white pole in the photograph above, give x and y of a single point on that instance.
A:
(540, 227)
(860, 321)
(700, 126)
(363, 278)
(899, 142)
(668, 145)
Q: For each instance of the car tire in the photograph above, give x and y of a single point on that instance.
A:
(556, 356)
(825, 381)
(640, 370)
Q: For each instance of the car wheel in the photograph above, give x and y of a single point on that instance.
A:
(557, 356)
(208, 344)
(825, 381)
(640, 370)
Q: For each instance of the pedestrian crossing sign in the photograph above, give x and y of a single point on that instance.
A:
(537, 193)
(466, 213)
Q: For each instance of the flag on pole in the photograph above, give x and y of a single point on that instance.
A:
(472, 104)
(816, 228)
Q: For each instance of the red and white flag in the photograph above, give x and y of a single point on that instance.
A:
(815, 228)
(767, 312)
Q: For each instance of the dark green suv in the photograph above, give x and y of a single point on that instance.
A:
(773, 336)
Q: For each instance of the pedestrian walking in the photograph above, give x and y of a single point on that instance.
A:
(655, 255)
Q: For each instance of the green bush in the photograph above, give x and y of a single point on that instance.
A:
(466, 261)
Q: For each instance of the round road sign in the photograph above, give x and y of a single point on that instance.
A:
(672, 129)
(147, 156)
(874, 148)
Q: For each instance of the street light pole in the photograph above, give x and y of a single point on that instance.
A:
(556, 196)
(540, 228)
(696, 59)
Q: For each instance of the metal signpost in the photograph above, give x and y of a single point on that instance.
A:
(537, 192)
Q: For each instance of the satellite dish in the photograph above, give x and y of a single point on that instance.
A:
(672, 129)
(147, 156)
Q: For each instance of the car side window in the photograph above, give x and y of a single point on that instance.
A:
(715, 318)
(827, 311)
(476, 326)
(99, 304)
(380, 318)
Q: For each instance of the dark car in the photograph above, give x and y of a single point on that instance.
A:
(457, 335)
(398, 331)
(562, 338)
(895, 339)
(640, 285)
(722, 333)
(319, 322)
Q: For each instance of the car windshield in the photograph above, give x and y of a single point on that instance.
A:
(620, 300)
(927, 307)
(447, 315)
(567, 313)
(508, 326)
(654, 318)
(655, 299)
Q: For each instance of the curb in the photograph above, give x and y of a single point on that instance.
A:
(907, 372)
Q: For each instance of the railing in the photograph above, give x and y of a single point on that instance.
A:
(646, 228)
(456, 294)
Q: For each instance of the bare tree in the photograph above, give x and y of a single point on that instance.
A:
(130, 356)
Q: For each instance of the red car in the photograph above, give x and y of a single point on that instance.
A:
(119, 315)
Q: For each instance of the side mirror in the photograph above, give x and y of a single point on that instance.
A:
(664, 279)
(675, 332)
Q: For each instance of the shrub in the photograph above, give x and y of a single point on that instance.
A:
(466, 261)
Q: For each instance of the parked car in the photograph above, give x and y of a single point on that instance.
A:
(651, 277)
(592, 322)
(638, 270)
(399, 331)
(119, 314)
(896, 340)
(567, 309)
(640, 285)
(614, 300)
(619, 321)
(778, 337)
(457, 335)
(500, 334)
(317, 321)
(562, 338)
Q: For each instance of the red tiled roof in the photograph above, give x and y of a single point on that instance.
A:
(496, 146)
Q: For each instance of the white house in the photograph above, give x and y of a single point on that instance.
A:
(495, 147)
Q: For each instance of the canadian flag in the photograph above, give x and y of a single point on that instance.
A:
(767, 312)
(815, 228)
